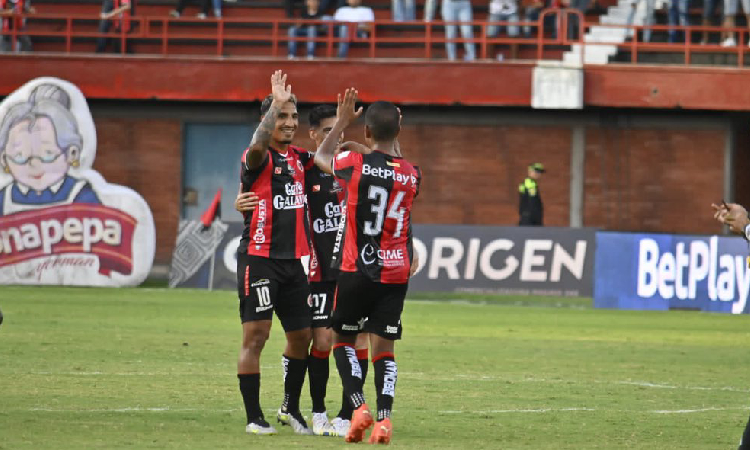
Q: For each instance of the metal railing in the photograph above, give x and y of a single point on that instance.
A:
(166, 36)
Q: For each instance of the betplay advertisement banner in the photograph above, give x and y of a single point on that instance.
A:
(60, 221)
(663, 272)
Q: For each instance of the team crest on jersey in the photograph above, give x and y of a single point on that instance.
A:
(316, 188)
(277, 171)
(299, 166)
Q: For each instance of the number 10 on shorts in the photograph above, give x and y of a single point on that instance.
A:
(264, 296)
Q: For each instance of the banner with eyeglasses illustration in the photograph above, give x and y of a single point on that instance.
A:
(60, 221)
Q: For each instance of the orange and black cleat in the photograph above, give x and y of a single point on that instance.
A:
(361, 421)
(382, 432)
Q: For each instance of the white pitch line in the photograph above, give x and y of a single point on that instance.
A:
(573, 409)
(132, 409)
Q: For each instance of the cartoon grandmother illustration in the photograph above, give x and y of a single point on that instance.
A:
(39, 143)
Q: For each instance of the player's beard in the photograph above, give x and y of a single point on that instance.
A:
(285, 142)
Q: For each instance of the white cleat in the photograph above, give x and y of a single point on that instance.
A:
(340, 426)
(260, 427)
(321, 426)
(296, 421)
(729, 42)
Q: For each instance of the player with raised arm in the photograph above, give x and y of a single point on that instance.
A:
(324, 196)
(270, 275)
(377, 256)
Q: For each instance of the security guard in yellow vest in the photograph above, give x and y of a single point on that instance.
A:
(530, 206)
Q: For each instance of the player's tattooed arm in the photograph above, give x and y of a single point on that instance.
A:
(346, 113)
(282, 93)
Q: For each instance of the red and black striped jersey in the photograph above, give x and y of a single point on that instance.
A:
(277, 228)
(324, 195)
(380, 190)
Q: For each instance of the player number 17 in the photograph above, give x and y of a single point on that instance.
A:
(379, 195)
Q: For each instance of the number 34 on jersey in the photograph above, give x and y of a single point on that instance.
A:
(380, 190)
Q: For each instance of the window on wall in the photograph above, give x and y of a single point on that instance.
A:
(211, 161)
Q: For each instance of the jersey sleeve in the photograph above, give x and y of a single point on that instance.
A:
(257, 169)
(344, 163)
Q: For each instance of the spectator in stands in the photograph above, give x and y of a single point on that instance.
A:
(7, 9)
(115, 14)
(355, 13)
(678, 15)
(532, 9)
(429, 10)
(730, 11)
(205, 5)
(310, 12)
(404, 10)
(458, 11)
(503, 11)
(708, 11)
(580, 5)
(648, 20)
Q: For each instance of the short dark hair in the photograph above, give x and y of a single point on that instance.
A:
(382, 118)
(320, 113)
(266, 105)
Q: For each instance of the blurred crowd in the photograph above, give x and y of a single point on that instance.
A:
(351, 20)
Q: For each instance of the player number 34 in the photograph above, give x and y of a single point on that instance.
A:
(380, 197)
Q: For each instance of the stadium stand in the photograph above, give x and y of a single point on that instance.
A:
(259, 29)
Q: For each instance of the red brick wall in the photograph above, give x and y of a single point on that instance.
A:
(660, 180)
(145, 155)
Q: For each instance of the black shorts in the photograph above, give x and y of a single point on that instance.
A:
(363, 305)
(265, 285)
(321, 302)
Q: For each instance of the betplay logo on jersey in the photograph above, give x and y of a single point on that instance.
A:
(60, 221)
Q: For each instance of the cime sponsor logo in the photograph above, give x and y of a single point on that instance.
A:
(295, 197)
(388, 174)
(692, 266)
(391, 330)
(330, 223)
(385, 258)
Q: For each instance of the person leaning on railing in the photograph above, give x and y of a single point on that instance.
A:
(311, 11)
(10, 22)
(355, 13)
(115, 14)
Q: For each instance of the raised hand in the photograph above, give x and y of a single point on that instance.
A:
(346, 112)
(279, 89)
(733, 215)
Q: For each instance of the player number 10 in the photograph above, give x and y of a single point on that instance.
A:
(380, 195)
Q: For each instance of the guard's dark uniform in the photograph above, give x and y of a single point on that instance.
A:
(530, 206)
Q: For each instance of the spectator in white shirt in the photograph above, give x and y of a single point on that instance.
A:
(503, 11)
(357, 14)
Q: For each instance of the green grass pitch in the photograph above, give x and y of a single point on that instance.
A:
(155, 368)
